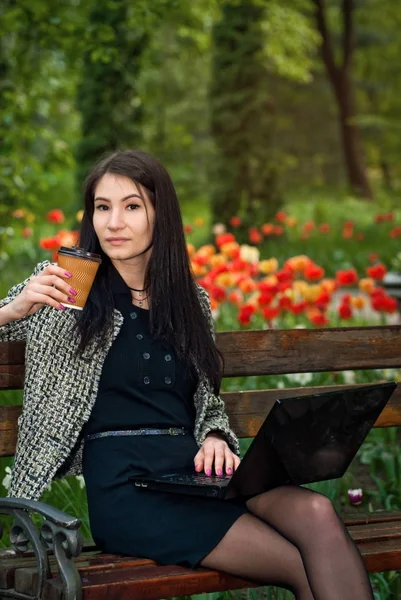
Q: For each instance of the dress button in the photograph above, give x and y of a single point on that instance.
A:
(133, 315)
(139, 336)
(146, 355)
(167, 357)
(146, 380)
(167, 380)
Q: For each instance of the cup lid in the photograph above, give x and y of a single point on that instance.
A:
(79, 253)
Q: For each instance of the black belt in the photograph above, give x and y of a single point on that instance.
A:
(143, 431)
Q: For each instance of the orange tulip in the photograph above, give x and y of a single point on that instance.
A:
(267, 229)
(358, 302)
(198, 270)
(291, 221)
(281, 216)
(235, 297)
(247, 285)
(207, 250)
(308, 226)
(190, 249)
(230, 249)
(226, 280)
(297, 263)
(367, 285)
(217, 260)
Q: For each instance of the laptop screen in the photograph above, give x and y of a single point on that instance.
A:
(317, 436)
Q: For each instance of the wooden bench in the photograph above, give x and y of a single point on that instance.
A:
(59, 568)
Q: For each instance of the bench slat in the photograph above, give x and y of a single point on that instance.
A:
(382, 556)
(111, 576)
(154, 582)
(160, 582)
(247, 411)
(379, 516)
(278, 351)
(12, 353)
(376, 532)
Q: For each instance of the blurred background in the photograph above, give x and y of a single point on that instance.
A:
(254, 106)
(279, 122)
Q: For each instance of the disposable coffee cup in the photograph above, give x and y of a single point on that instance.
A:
(83, 266)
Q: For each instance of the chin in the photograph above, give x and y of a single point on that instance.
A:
(118, 254)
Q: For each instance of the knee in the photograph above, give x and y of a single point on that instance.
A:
(318, 511)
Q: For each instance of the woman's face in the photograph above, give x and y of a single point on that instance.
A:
(122, 224)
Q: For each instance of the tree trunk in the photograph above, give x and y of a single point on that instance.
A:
(350, 135)
(340, 79)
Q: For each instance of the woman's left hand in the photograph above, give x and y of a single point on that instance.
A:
(216, 455)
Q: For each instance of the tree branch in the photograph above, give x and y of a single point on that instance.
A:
(349, 32)
(327, 44)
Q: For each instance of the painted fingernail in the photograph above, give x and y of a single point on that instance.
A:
(67, 274)
(229, 470)
(219, 472)
(73, 292)
(208, 472)
(72, 300)
(197, 467)
(61, 307)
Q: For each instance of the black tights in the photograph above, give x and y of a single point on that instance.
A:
(294, 539)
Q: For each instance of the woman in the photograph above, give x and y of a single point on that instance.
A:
(141, 355)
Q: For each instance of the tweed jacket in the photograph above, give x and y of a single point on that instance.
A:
(60, 391)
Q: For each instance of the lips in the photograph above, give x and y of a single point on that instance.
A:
(111, 240)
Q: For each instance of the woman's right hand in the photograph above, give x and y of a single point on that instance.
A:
(47, 288)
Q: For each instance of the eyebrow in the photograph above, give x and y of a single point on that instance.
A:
(122, 199)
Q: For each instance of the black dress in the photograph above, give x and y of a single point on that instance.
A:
(144, 385)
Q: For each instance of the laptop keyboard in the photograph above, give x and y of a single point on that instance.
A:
(198, 479)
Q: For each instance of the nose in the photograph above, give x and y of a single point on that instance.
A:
(115, 221)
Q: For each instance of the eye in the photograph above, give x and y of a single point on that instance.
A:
(101, 207)
(133, 206)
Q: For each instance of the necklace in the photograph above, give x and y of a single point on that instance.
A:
(140, 292)
(140, 299)
(136, 290)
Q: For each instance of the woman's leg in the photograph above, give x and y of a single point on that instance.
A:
(334, 566)
(254, 550)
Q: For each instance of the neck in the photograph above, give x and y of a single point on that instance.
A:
(133, 275)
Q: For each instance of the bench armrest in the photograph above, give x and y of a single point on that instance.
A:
(59, 533)
(56, 516)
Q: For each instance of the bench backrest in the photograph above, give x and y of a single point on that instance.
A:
(267, 352)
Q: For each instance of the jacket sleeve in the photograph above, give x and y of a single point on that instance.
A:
(16, 331)
(214, 414)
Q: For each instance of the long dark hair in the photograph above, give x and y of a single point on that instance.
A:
(175, 315)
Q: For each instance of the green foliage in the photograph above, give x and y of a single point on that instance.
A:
(106, 98)
(245, 172)
(35, 91)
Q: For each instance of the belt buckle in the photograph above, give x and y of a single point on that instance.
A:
(171, 432)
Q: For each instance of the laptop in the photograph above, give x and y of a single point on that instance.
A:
(303, 439)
